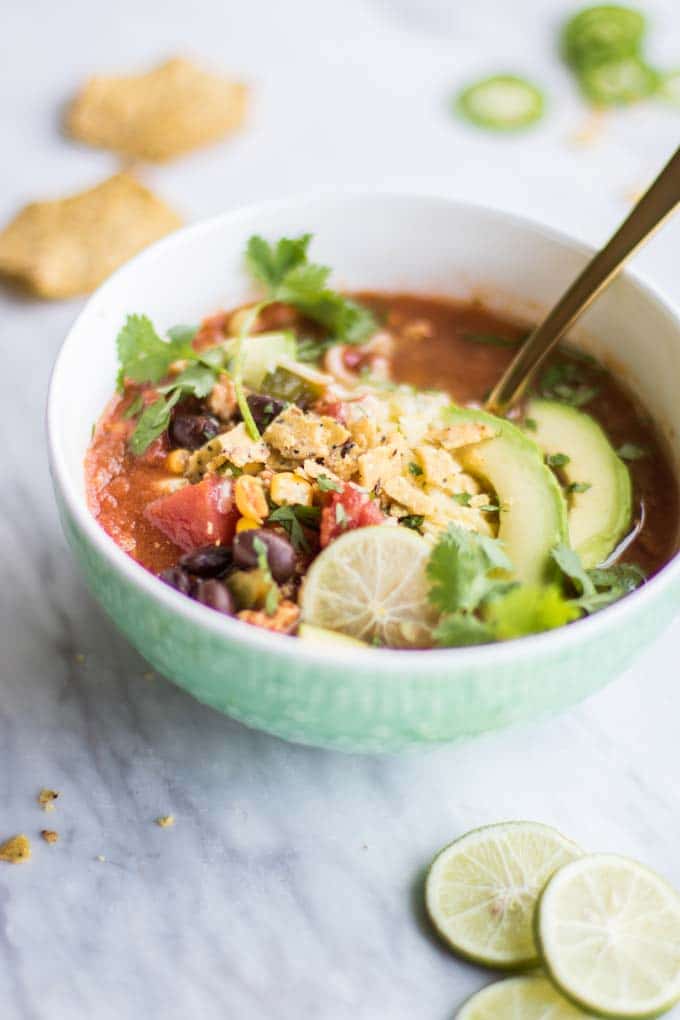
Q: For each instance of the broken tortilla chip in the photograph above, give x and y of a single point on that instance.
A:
(156, 116)
(68, 246)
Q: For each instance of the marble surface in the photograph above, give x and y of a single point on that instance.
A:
(290, 884)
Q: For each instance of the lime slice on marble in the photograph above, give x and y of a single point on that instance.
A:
(520, 998)
(370, 584)
(481, 890)
(608, 931)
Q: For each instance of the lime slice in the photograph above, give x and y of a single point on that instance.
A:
(328, 638)
(371, 584)
(482, 889)
(520, 998)
(609, 934)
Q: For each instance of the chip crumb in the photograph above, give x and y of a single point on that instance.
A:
(165, 821)
(590, 132)
(156, 116)
(49, 835)
(16, 849)
(100, 858)
(46, 799)
(64, 247)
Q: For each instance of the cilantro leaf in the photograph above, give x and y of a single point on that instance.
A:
(142, 355)
(182, 334)
(327, 484)
(459, 629)
(413, 521)
(611, 584)
(461, 568)
(134, 407)
(271, 263)
(631, 451)
(415, 469)
(569, 562)
(309, 349)
(577, 487)
(196, 379)
(153, 421)
(293, 519)
(601, 586)
(557, 460)
(529, 609)
(567, 382)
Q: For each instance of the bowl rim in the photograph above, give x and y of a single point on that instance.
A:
(380, 660)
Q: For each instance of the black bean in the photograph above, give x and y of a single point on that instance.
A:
(208, 561)
(280, 552)
(193, 430)
(179, 579)
(264, 409)
(215, 595)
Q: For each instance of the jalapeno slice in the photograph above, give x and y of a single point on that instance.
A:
(503, 102)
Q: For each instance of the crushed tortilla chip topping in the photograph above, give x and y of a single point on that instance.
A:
(46, 799)
(15, 850)
(165, 821)
(49, 835)
(64, 247)
(170, 110)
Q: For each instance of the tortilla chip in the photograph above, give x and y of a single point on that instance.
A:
(159, 115)
(65, 247)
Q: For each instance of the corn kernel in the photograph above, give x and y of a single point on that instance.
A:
(288, 489)
(250, 498)
(176, 461)
(246, 524)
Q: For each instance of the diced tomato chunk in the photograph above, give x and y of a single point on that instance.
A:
(332, 409)
(196, 515)
(345, 510)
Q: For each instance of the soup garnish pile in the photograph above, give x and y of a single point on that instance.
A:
(317, 465)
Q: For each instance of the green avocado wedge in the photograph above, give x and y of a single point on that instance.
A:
(600, 516)
(533, 515)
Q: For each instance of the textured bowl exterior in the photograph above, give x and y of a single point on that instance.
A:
(344, 698)
(364, 708)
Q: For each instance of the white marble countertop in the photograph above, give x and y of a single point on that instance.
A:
(289, 885)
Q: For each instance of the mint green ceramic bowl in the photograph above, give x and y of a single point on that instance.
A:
(349, 699)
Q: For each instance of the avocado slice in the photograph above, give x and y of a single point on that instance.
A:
(600, 516)
(533, 517)
(262, 353)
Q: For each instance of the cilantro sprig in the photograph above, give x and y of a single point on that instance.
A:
(468, 575)
(144, 357)
(594, 589)
(288, 276)
(470, 585)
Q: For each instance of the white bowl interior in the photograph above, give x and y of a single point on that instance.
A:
(386, 242)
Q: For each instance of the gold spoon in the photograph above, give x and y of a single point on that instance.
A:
(650, 212)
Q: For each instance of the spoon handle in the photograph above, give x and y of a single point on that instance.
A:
(655, 205)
